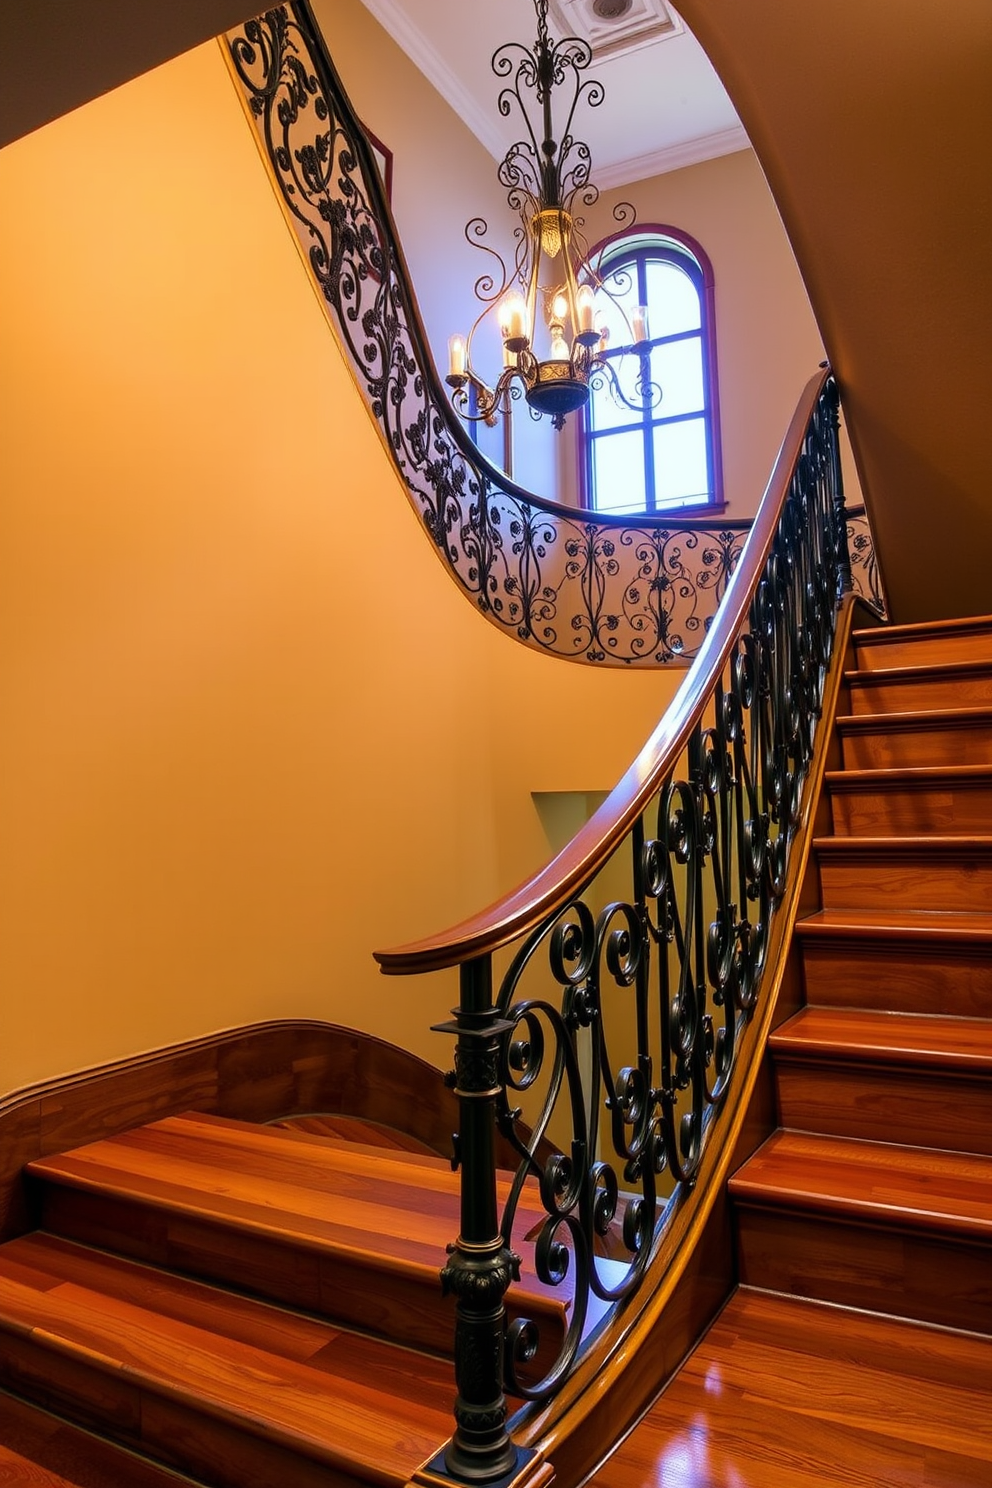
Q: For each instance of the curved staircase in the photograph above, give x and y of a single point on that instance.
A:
(256, 1305)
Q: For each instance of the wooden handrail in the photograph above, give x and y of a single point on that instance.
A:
(578, 862)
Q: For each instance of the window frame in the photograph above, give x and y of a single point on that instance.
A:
(679, 247)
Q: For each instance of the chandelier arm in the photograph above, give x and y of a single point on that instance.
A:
(485, 285)
(601, 370)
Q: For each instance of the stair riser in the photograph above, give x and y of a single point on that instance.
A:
(406, 1309)
(885, 812)
(920, 1107)
(172, 1432)
(403, 1305)
(910, 881)
(897, 696)
(901, 978)
(902, 1273)
(909, 747)
(934, 649)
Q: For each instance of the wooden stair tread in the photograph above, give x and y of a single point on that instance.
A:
(791, 1393)
(333, 1396)
(924, 629)
(908, 776)
(359, 1129)
(876, 1182)
(398, 1212)
(921, 671)
(922, 1039)
(916, 718)
(905, 924)
(945, 845)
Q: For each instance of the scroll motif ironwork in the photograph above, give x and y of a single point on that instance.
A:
(618, 1022)
(866, 579)
(671, 968)
(606, 590)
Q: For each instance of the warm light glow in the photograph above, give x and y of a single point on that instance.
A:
(559, 349)
(513, 320)
(456, 356)
(585, 308)
(640, 324)
(559, 309)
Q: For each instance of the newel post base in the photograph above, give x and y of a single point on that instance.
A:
(480, 1265)
(529, 1470)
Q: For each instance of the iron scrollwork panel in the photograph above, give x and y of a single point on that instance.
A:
(622, 1023)
(599, 590)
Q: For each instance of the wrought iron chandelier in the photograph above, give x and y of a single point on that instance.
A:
(553, 343)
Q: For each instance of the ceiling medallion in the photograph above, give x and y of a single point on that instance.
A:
(613, 27)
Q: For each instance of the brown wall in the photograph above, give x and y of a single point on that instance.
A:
(872, 123)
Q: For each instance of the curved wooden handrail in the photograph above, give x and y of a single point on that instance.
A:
(566, 874)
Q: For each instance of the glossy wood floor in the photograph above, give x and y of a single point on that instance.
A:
(783, 1393)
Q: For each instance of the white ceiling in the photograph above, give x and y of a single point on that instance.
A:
(664, 108)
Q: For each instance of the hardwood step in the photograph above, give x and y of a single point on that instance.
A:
(343, 1128)
(872, 741)
(886, 1077)
(942, 685)
(911, 962)
(905, 873)
(40, 1450)
(240, 1393)
(793, 1394)
(899, 1230)
(340, 1229)
(880, 803)
(936, 642)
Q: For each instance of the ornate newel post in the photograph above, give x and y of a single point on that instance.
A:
(481, 1266)
(832, 395)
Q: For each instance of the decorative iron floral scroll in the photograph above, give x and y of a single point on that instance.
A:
(658, 982)
(616, 1028)
(590, 588)
(865, 577)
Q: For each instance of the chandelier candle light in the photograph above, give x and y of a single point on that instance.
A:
(553, 341)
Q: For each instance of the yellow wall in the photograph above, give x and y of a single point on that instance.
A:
(250, 730)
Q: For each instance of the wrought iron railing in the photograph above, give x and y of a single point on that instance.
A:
(608, 1016)
(606, 590)
(635, 960)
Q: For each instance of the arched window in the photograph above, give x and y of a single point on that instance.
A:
(658, 454)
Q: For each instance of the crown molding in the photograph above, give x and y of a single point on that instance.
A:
(411, 40)
(673, 157)
(395, 20)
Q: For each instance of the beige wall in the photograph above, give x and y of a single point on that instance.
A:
(768, 345)
(250, 730)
